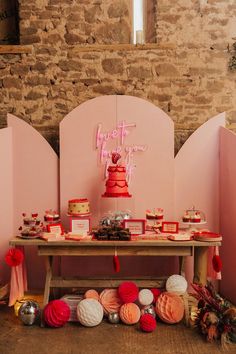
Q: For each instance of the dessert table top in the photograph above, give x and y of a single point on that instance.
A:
(16, 241)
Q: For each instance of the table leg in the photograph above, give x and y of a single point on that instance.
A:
(200, 265)
(182, 265)
(48, 263)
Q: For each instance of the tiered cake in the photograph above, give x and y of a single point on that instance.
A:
(116, 184)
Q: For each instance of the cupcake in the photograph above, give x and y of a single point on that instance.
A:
(186, 217)
(196, 217)
(51, 216)
(159, 213)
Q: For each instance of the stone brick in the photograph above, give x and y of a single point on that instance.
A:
(166, 70)
(60, 2)
(173, 19)
(139, 72)
(113, 66)
(118, 8)
(114, 33)
(91, 14)
(72, 38)
(11, 82)
(31, 39)
(67, 65)
(20, 69)
(34, 95)
(37, 80)
(54, 38)
(39, 66)
(89, 82)
(16, 95)
(28, 31)
(105, 89)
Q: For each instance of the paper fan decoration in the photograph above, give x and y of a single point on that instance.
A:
(110, 300)
(56, 313)
(170, 308)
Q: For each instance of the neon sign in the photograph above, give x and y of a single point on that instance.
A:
(127, 152)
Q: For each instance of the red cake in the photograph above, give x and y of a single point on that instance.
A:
(116, 184)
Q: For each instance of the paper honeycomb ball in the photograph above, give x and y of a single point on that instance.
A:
(56, 313)
(110, 300)
(128, 292)
(145, 297)
(176, 284)
(170, 308)
(90, 312)
(156, 293)
(147, 323)
(129, 313)
(91, 294)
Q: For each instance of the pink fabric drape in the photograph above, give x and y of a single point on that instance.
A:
(18, 283)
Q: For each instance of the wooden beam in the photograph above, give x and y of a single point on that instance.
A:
(76, 282)
(15, 49)
(123, 47)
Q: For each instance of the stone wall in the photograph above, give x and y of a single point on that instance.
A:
(191, 81)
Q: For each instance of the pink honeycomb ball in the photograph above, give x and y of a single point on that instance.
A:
(110, 301)
(145, 297)
(129, 313)
(90, 312)
(91, 294)
(170, 307)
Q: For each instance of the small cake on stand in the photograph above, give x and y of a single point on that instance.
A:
(193, 218)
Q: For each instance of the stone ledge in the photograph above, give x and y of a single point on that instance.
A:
(15, 49)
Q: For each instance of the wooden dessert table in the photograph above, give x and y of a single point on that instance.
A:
(124, 248)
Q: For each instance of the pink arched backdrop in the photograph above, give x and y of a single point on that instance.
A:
(82, 175)
(29, 177)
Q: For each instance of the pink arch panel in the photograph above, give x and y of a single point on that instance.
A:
(228, 213)
(35, 184)
(197, 174)
(6, 205)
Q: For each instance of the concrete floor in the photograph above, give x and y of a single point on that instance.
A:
(15, 338)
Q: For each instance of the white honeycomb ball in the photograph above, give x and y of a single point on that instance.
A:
(90, 312)
(176, 284)
(145, 297)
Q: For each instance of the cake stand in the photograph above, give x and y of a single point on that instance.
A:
(193, 225)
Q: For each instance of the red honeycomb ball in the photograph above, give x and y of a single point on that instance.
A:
(56, 313)
(128, 291)
(147, 323)
(156, 293)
